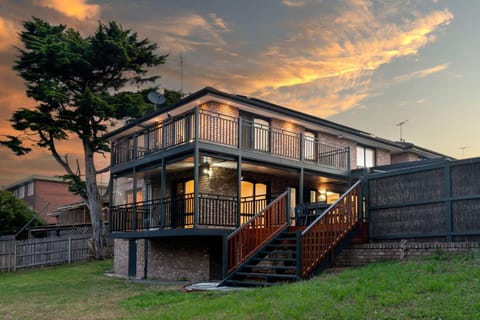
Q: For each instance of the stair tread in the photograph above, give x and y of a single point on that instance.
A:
(275, 259)
(269, 267)
(266, 275)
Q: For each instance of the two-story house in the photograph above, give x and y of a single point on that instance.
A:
(187, 176)
(43, 194)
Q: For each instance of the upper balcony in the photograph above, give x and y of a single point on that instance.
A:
(231, 134)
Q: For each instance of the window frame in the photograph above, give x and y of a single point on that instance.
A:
(361, 160)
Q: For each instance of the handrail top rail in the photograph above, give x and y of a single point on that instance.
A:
(345, 194)
(258, 214)
(200, 195)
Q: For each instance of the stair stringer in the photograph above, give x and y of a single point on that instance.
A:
(253, 257)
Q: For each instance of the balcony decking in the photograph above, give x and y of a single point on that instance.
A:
(176, 213)
(231, 134)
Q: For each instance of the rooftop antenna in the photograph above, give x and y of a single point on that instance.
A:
(156, 98)
(401, 129)
(463, 150)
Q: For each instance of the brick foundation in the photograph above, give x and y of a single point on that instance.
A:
(362, 254)
(192, 259)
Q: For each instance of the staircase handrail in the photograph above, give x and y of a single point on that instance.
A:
(330, 207)
(328, 234)
(246, 240)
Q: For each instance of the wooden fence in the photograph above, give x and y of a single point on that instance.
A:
(31, 253)
(439, 202)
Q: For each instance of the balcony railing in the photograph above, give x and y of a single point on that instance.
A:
(177, 212)
(232, 132)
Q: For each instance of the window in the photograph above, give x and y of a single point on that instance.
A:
(21, 192)
(261, 138)
(184, 204)
(365, 157)
(30, 189)
(130, 196)
(254, 199)
(309, 146)
(313, 196)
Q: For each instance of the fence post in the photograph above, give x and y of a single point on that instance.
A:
(448, 202)
(69, 251)
(14, 255)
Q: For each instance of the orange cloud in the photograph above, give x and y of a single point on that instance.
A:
(8, 33)
(421, 73)
(189, 32)
(72, 8)
(329, 63)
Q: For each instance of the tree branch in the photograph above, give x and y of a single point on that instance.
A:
(106, 169)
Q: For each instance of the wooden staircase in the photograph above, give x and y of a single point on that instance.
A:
(287, 254)
(275, 263)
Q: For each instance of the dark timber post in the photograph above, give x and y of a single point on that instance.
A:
(224, 256)
(196, 175)
(134, 197)
(288, 206)
(299, 255)
(239, 172)
(163, 182)
(302, 153)
(448, 202)
(110, 200)
(132, 258)
(300, 187)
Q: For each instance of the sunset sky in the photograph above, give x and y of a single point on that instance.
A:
(366, 64)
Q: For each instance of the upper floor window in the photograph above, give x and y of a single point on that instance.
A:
(365, 157)
(20, 192)
(30, 189)
(261, 137)
(309, 145)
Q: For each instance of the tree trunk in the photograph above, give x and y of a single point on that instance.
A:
(95, 204)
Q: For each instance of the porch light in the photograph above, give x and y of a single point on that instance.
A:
(322, 197)
(205, 170)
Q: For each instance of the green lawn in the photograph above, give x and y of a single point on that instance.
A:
(439, 287)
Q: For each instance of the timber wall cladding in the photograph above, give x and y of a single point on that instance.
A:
(440, 202)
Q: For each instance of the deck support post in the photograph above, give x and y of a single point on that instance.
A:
(239, 173)
(299, 255)
(132, 258)
(224, 256)
(196, 174)
(300, 186)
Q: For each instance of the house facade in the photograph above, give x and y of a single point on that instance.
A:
(186, 177)
(43, 195)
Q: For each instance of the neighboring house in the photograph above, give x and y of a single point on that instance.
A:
(185, 177)
(43, 194)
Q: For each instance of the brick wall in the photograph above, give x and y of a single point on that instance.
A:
(222, 181)
(221, 108)
(383, 157)
(192, 259)
(120, 257)
(55, 194)
(362, 254)
(404, 157)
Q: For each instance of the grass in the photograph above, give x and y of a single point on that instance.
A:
(438, 287)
